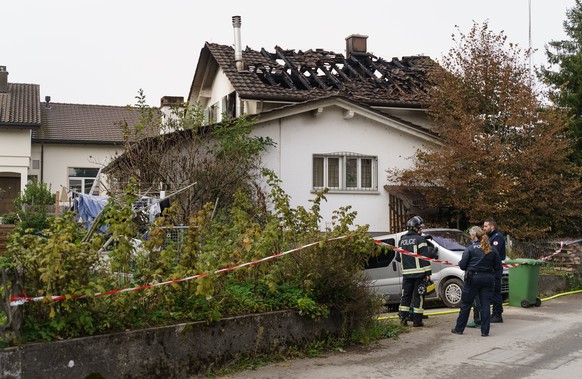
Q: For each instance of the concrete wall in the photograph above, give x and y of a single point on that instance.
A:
(177, 351)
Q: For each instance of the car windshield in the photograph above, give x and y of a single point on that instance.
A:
(454, 240)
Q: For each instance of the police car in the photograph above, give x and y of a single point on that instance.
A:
(385, 273)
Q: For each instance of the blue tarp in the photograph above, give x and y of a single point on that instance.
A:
(89, 206)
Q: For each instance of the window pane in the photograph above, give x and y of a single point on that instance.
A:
(333, 172)
(317, 172)
(366, 173)
(352, 173)
(83, 172)
(76, 185)
(88, 184)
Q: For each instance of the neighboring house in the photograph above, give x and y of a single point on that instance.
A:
(338, 121)
(75, 141)
(19, 116)
(62, 145)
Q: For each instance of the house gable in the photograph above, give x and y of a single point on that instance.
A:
(310, 133)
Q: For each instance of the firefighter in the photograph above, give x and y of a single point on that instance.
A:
(414, 271)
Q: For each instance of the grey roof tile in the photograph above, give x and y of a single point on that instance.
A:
(20, 106)
(81, 123)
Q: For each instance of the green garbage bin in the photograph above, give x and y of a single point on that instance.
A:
(523, 282)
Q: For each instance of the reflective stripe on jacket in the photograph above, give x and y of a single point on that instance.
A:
(413, 267)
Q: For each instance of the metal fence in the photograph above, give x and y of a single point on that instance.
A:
(174, 235)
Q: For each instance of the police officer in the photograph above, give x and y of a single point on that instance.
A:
(482, 265)
(496, 240)
(414, 271)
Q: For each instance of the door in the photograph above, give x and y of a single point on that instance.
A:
(9, 190)
(385, 273)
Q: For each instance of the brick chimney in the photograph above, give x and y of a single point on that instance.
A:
(169, 101)
(356, 44)
(3, 79)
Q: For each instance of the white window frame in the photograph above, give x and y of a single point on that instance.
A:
(323, 177)
(84, 180)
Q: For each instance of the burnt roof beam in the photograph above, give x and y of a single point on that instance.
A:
(341, 73)
(331, 77)
(317, 79)
(267, 55)
(288, 80)
(268, 76)
(365, 69)
(375, 66)
(293, 69)
(352, 70)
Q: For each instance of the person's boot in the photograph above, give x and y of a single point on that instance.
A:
(403, 317)
(418, 320)
(496, 319)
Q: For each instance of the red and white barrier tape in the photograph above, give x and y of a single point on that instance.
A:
(19, 300)
(562, 244)
(406, 252)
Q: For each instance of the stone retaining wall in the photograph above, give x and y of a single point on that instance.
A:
(570, 258)
(177, 351)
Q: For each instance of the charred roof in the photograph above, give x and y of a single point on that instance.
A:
(290, 75)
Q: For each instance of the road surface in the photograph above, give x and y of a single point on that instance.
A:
(544, 342)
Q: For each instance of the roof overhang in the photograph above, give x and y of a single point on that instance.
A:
(349, 105)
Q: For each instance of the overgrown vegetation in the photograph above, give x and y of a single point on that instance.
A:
(32, 207)
(314, 281)
(220, 159)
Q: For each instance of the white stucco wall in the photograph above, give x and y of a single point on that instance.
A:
(58, 158)
(220, 88)
(15, 153)
(300, 136)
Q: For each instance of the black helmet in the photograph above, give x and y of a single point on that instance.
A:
(414, 223)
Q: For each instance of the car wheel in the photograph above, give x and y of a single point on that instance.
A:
(451, 293)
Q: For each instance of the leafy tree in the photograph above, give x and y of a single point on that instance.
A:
(566, 58)
(503, 154)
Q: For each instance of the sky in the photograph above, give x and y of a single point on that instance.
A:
(105, 51)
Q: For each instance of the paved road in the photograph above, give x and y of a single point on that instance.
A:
(544, 342)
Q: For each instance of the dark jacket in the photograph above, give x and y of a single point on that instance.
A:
(413, 267)
(475, 260)
(497, 241)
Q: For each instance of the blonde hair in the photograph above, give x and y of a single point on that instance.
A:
(479, 233)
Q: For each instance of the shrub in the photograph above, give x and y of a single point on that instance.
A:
(64, 260)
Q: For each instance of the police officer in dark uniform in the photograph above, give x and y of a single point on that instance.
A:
(496, 240)
(414, 271)
(482, 266)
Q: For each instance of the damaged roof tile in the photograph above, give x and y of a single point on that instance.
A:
(287, 75)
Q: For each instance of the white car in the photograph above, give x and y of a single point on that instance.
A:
(385, 273)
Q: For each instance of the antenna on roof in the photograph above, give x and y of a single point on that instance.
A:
(529, 31)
